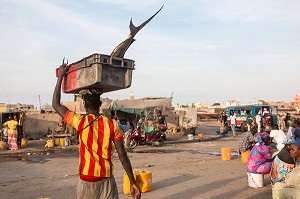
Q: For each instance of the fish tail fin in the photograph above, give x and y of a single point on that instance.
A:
(134, 30)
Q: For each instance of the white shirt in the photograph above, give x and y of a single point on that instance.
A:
(280, 138)
(289, 133)
(232, 119)
(257, 118)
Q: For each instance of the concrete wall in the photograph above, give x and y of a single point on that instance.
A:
(37, 125)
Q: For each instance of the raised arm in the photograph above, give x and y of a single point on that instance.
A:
(60, 109)
(135, 192)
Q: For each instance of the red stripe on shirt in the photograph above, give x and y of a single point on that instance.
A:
(100, 143)
(82, 147)
(112, 135)
(90, 146)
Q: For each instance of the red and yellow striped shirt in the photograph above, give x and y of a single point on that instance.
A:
(95, 143)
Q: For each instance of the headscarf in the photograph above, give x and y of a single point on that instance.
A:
(297, 143)
(290, 140)
(284, 155)
(261, 137)
(125, 128)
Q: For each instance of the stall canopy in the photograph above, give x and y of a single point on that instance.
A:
(137, 106)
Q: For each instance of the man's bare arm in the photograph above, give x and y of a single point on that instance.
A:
(135, 192)
(60, 109)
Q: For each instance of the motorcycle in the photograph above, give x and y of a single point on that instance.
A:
(156, 137)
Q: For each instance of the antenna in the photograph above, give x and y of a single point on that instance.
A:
(7, 97)
(40, 102)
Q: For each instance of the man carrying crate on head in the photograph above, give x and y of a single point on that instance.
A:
(97, 134)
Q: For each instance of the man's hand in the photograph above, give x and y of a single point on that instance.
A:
(135, 192)
(63, 69)
(60, 109)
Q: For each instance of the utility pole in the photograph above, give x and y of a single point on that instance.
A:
(40, 103)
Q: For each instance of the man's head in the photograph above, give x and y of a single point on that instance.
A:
(159, 112)
(15, 117)
(91, 101)
(295, 149)
(295, 123)
(275, 127)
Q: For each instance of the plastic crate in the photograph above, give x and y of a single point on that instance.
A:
(98, 71)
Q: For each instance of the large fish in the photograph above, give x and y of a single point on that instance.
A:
(120, 50)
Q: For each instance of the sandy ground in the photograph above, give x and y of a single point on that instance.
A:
(179, 171)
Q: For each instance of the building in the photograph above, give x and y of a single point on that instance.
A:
(27, 108)
(297, 102)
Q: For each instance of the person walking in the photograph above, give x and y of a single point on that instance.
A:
(223, 120)
(233, 123)
(97, 134)
(249, 121)
(258, 122)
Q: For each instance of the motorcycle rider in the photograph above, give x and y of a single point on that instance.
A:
(161, 119)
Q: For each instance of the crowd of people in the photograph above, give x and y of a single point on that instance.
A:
(276, 154)
(11, 133)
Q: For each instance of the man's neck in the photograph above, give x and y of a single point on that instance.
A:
(92, 111)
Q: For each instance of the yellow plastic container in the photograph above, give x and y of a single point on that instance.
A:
(144, 181)
(50, 143)
(174, 130)
(23, 143)
(200, 136)
(226, 153)
(56, 142)
(245, 156)
(62, 141)
(126, 183)
(2, 146)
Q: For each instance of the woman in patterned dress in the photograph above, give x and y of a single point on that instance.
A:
(260, 159)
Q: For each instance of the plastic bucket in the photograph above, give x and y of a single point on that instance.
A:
(226, 153)
(245, 156)
(62, 141)
(50, 143)
(174, 130)
(255, 180)
(56, 142)
(3, 146)
(190, 136)
(200, 136)
(23, 143)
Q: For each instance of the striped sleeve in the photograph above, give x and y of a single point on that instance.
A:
(119, 134)
(73, 119)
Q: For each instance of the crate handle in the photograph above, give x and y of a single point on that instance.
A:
(118, 59)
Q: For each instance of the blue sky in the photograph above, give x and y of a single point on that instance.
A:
(202, 50)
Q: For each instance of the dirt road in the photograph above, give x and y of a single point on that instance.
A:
(179, 171)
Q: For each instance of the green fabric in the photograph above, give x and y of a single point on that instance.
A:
(131, 110)
(148, 128)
